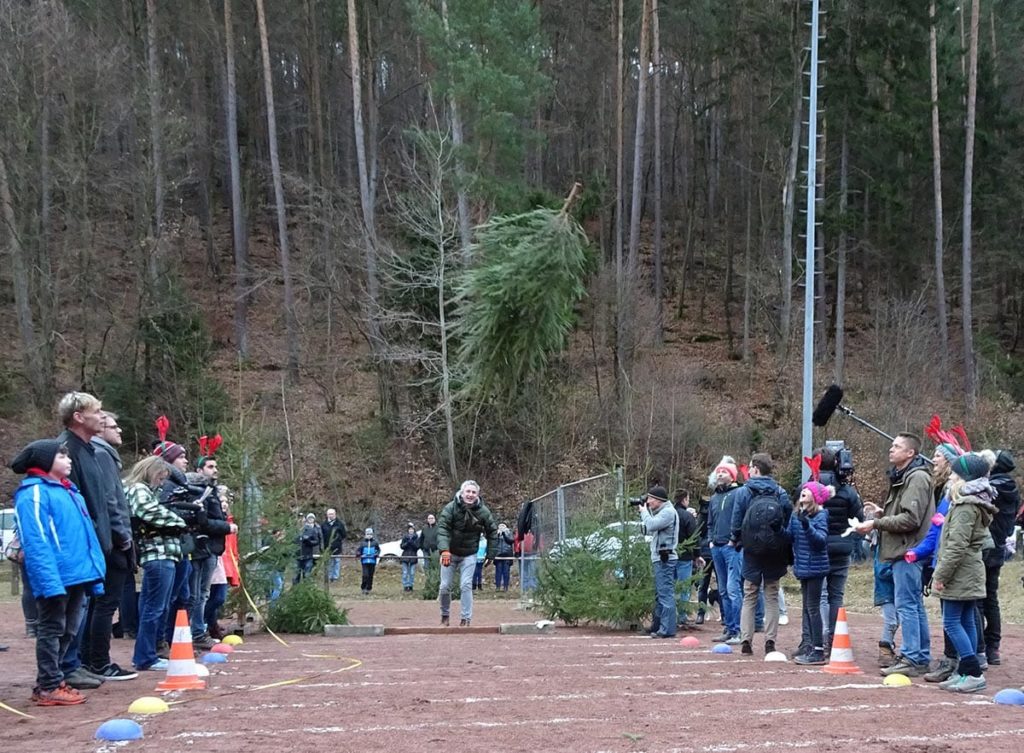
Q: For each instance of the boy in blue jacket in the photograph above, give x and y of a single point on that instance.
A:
(368, 553)
(63, 560)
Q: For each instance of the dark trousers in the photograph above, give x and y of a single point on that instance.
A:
(368, 571)
(478, 574)
(129, 610)
(811, 628)
(304, 568)
(705, 583)
(99, 620)
(990, 613)
(58, 620)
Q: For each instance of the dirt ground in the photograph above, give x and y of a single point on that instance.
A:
(575, 690)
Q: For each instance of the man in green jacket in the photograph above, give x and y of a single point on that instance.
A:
(458, 536)
(902, 523)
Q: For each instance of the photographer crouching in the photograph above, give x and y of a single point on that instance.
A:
(661, 522)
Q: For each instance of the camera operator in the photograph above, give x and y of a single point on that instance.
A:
(209, 546)
(661, 522)
(837, 471)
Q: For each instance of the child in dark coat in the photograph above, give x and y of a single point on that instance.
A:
(808, 529)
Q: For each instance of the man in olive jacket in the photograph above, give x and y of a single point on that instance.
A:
(901, 524)
(458, 537)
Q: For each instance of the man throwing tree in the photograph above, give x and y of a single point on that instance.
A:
(458, 536)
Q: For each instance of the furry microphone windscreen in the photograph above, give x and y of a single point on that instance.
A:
(827, 405)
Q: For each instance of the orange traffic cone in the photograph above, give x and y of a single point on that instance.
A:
(841, 662)
(181, 667)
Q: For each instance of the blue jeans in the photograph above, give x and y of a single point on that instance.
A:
(958, 622)
(218, 595)
(910, 608)
(890, 623)
(684, 571)
(723, 557)
(527, 573)
(502, 571)
(303, 569)
(408, 573)
(199, 587)
(665, 596)
(157, 582)
(179, 598)
(335, 567)
(478, 574)
(466, 567)
(276, 585)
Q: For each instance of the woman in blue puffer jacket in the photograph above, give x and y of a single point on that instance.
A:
(808, 529)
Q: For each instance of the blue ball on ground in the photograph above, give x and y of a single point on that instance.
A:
(1010, 697)
(117, 730)
(212, 658)
(722, 648)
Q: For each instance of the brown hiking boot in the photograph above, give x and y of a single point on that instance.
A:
(886, 655)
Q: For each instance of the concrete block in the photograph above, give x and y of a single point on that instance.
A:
(542, 627)
(353, 631)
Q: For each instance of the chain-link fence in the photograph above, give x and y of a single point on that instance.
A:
(561, 513)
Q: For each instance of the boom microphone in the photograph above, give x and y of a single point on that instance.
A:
(827, 405)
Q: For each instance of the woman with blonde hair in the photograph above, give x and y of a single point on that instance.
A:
(959, 577)
(158, 533)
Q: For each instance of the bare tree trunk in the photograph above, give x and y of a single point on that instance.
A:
(940, 276)
(366, 201)
(620, 283)
(22, 305)
(156, 142)
(291, 325)
(238, 235)
(970, 373)
(315, 95)
(788, 216)
(636, 203)
(458, 139)
(844, 199)
(659, 317)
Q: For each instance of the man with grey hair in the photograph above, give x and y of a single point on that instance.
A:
(334, 533)
(82, 416)
(462, 522)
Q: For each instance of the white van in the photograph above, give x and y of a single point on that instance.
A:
(6, 527)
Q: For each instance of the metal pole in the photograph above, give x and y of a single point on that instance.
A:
(812, 182)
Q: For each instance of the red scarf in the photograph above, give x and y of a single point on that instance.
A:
(66, 483)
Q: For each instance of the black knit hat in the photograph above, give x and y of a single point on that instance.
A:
(970, 466)
(658, 492)
(39, 454)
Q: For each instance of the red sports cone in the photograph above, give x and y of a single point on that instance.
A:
(841, 660)
(181, 667)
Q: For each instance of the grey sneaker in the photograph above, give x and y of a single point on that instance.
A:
(969, 684)
(733, 640)
(943, 670)
(951, 681)
(726, 635)
(815, 657)
(905, 667)
(82, 680)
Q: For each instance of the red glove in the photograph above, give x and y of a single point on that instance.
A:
(910, 557)
(446, 559)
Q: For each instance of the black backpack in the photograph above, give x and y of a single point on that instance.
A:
(762, 533)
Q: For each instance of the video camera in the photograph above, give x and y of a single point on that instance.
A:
(188, 502)
(844, 459)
